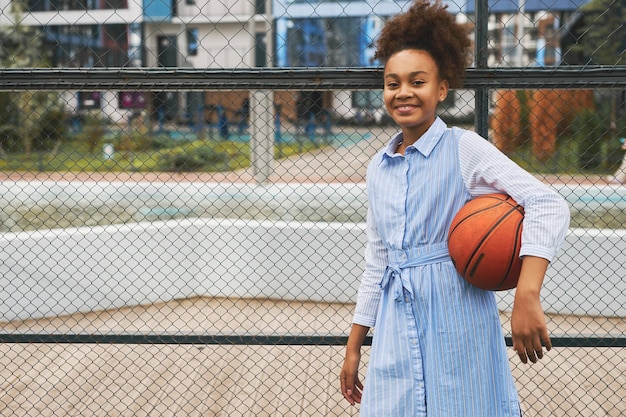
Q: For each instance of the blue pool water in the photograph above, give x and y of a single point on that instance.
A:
(335, 139)
(595, 197)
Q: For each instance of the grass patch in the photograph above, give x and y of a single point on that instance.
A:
(166, 153)
(566, 159)
(161, 155)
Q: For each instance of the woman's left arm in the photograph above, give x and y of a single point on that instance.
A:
(546, 222)
(528, 323)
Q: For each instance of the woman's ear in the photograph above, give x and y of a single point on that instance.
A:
(443, 90)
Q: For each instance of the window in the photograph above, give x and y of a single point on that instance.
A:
(260, 50)
(192, 41)
(61, 5)
(259, 7)
(88, 45)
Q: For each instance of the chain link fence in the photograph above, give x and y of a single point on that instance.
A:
(182, 204)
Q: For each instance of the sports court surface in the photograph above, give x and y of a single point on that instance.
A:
(226, 380)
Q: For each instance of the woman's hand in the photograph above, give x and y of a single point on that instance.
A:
(351, 386)
(528, 323)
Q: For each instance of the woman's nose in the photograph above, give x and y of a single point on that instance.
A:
(404, 91)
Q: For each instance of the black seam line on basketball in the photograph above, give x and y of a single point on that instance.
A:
(473, 214)
(512, 260)
(485, 237)
(495, 225)
(480, 258)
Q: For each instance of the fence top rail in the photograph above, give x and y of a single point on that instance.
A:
(336, 78)
(616, 341)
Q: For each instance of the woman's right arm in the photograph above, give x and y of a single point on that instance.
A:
(351, 385)
(366, 308)
(365, 312)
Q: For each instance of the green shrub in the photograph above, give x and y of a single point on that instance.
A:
(590, 132)
(162, 141)
(52, 128)
(211, 156)
(93, 132)
(136, 141)
(10, 139)
(614, 151)
(186, 163)
(190, 158)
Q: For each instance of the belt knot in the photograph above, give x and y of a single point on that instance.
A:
(398, 281)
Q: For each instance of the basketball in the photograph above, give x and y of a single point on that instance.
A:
(484, 241)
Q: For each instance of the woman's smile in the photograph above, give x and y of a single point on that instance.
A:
(405, 107)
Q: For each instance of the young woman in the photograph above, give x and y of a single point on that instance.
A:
(438, 348)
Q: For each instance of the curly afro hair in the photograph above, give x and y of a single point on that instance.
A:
(428, 27)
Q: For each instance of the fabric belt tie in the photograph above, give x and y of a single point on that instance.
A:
(393, 273)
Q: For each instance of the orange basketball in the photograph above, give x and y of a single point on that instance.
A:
(484, 241)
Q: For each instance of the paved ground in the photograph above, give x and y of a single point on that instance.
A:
(188, 380)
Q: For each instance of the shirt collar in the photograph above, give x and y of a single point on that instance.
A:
(424, 145)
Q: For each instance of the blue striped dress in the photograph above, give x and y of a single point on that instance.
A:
(438, 348)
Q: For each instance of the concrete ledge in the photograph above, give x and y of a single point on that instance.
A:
(588, 276)
(64, 271)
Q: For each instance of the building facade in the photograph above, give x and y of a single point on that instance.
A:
(259, 33)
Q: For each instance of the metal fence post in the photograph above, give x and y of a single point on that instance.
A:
(481, 112)
(261, 135)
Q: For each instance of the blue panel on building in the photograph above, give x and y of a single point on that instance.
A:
(157, 10)
(555, 5)
(512, 6)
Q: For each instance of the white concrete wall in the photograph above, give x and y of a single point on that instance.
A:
(65, 271)
(587, 278)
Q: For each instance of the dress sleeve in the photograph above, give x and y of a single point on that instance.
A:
(487, 170)
(369, 292)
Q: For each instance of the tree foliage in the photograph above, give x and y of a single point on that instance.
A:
(602, 33)
(33, 116)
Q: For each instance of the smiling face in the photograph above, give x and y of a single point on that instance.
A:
(412, 91)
